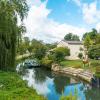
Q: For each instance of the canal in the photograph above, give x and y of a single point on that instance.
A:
(52, 85)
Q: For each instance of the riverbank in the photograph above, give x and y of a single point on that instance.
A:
(12, 87)
(83, 74)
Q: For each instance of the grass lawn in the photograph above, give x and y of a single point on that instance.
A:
(71, 63)
(79, 64)
(12, 87)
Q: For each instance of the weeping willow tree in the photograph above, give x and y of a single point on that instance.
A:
(9, 30)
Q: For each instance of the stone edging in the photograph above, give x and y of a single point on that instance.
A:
(79, 72)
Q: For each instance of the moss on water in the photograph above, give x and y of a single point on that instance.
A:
(12, 87)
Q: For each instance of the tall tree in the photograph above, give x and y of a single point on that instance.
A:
(9, 12)
(71, 37)
(92, 34)
(92, 43)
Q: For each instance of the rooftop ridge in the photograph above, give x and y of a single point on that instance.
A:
(73, 42)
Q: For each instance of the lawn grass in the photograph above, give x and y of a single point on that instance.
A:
(12, 87)
(79, 64)
(71, 63)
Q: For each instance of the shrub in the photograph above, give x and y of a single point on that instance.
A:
(46, 62)
(80, 55)
(60, 53)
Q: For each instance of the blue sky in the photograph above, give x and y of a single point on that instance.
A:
(48, 19)
(67, 11)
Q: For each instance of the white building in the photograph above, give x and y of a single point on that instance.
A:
(74, 47)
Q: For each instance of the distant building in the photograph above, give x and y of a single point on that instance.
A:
(74, 47)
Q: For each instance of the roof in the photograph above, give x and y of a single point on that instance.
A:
(73, 42)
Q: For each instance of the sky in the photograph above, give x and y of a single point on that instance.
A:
(51, 20)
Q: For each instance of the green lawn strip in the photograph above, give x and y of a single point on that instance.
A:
(13, 88)
(71, 63)
(79, 64)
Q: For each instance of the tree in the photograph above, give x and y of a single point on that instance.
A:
(94, 51)
(9, 12)
(21, 30)
(51, 46)
(92, 35)
(91, 43)
(39, 51)
(71, 37)
(87, 42)
(97, 40)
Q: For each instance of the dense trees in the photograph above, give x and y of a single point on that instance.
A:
(9, 12)
(94, 51)
(92, 43)
(71, 37)
(92, 34)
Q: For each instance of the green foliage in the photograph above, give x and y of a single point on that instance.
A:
(95, 63)
(46, 62)
(60, 53)
(91, 34)
(36, 48)
(9, 9)
(70, 96)
(71, 37)
(39, 51)
(94, 51)
(87, 42)
(97, 73)
(80, 55)
(24, 46)
(81, 49)
(94, 36)
(97, 40)
(51, 46)
(92, 44)
(13, 88)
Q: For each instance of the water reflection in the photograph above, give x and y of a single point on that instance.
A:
(92, 94)
(41, 85)
(53, 85)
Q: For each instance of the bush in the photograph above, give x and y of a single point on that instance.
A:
(60, 53)
(46, 62)
(80, 55)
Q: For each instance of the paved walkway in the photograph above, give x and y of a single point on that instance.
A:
(23, 56)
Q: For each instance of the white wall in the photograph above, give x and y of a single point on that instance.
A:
(74, 49)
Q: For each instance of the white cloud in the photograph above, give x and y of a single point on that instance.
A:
(90, 13)
(34, 2)
(98, 27)
(41, 27)
(77, 2)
